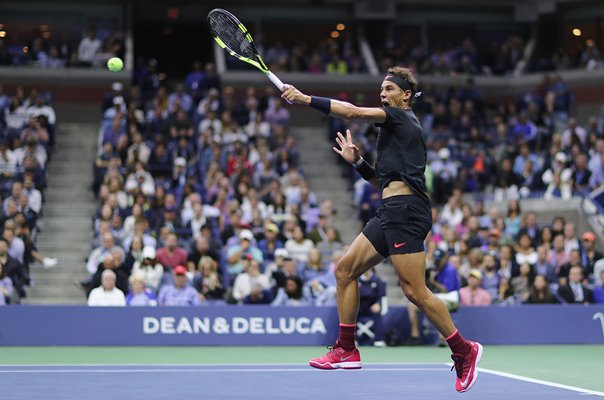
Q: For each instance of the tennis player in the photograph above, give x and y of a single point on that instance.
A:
(400, 226)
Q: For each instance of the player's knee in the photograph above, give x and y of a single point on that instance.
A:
(417, 296)
(343, 272)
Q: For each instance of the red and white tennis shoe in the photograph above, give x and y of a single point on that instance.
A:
(338, 357)
(467, 367)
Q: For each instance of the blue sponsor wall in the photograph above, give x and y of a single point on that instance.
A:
(265, 325)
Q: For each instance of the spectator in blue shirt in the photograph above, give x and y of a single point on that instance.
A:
(444, 278)
(139, 295)
(179, 293)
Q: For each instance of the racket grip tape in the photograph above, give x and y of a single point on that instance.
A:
(276, 81)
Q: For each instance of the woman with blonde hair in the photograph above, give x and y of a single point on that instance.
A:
(207, 281)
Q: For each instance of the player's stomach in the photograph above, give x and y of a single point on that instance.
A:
(396, 188)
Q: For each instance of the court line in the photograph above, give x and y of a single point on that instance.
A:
(302, 365)
(213, 370)
(582, 391)
(261, 367)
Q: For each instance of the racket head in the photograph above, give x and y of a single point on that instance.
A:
(233, 36)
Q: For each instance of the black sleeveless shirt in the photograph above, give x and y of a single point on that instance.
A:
(401, 151)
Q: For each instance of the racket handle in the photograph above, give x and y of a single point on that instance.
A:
(276, 81)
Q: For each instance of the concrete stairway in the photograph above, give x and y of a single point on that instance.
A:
(68, 208)
(318, 162)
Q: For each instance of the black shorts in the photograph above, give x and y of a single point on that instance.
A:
(400, 225)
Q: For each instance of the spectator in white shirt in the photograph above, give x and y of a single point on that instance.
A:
(8, 161)
(249, 278)
(88, 48)
(40, 108)
(35, 197)
(149, 269)
(107, 294)
(298, 247)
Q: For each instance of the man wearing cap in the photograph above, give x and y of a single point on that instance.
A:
(180, 293)
(558, 165)
(236, 252)
(473, 294)
(151, 270)
(271, 241)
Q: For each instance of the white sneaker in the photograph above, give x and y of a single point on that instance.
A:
(379, 343)
(49, 262)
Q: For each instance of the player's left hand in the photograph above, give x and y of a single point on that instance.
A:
(348, 150)
(294, 96)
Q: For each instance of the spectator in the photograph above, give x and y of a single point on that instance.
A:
(110, 261)
(258, 295)
(94, 259)
(139, 178)
(490, 278)
(372, 302)
(171, 254)
(574, 260)
(207, 281)
(543, 266)
(292, 294)
(179, 293)
(524, 250)
(299, 247)
(6, 287)
(598, 292)
(574, 291)
(473, 294)
(139, 294)
(200, 249)
(88, 48)
(149, 269)
(271, 241)
(250, 277)
(581, 176)
(236, 253)
(589, 254)
(522, 283)
(540, 293)
(444, 171)
(107, 294)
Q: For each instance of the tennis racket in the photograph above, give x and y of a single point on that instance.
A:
(231, 35)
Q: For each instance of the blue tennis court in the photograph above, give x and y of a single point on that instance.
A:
(266, 381)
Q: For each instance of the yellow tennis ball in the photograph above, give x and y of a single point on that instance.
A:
(115, 64)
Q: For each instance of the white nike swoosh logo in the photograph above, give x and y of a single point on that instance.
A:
(346, 358)
(465, 383)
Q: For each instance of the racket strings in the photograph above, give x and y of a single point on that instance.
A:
(228, 31)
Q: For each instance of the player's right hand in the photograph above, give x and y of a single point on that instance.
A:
(294, 96)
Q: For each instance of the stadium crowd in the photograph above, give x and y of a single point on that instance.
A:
(27, 126)
(44, 51)
(202, 199)
(500, 57)
(334, 55)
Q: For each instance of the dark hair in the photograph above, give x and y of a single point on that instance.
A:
(298, 293)
(406, 74)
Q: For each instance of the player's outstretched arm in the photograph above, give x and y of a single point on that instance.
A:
(335, 108)
(350, 152)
